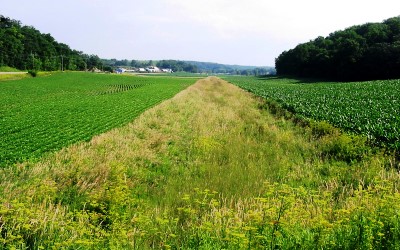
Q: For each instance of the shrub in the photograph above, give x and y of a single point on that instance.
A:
(33, 73)
(345, 147)
(322, 128)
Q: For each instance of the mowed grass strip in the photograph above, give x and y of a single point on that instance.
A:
(207, 169)
(43, 114)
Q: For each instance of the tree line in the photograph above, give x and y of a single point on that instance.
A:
(216, 68)
(192, 66)
(25, 48)
(363, 52)
(175, 65)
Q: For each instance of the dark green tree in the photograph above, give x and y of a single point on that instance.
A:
(24, 47)
(363, 52)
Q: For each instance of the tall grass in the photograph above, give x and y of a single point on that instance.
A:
(9, 77)
(208, 169)
(8, 69)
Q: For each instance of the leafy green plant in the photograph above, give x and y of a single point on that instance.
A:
(345, 147)
(48, 113)
(369, 108)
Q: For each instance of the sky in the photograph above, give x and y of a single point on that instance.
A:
(242, 32)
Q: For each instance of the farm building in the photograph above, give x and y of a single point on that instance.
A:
(167, 70)
(120, 70)
(153, 69)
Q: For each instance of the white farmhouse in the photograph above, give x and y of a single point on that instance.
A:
(167, 70)
(153, 69)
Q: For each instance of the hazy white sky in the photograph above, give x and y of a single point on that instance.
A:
(245, 32)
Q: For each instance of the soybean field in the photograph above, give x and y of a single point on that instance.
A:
(370, 108)
(43, 114)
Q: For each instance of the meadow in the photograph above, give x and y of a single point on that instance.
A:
(43, 114)
(210, 168)
(369, 108)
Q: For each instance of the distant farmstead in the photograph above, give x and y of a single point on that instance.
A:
(153, 69)
(150, 69)
(167, 70)
(120, 70)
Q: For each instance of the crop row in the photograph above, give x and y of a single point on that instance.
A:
(38, 115)
(370, 108)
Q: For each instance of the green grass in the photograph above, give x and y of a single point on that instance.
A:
(12, 77)
(38, 115)
(210, 168)
(368, 108)
(8, 69)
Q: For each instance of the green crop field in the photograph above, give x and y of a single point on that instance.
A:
(370, 108)
(38, 115)
(206, 169)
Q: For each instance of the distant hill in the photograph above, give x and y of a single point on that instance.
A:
(193, 66)
(232, 69)
(26, 48)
